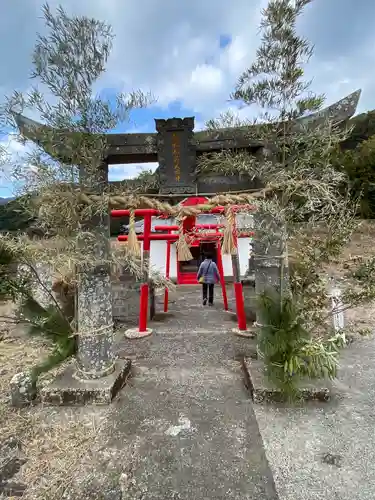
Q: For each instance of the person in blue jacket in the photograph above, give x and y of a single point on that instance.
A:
(208, 275)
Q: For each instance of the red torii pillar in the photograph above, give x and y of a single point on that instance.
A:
(242, 329)
(146, 213)
(238, 292)
(145, 271)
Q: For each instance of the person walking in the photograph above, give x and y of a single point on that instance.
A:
(208, 275)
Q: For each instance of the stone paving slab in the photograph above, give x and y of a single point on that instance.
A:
(194, 434)
(262, 390)
(186, 413)
(66, 389)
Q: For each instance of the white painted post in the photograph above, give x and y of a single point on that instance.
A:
(337, 309)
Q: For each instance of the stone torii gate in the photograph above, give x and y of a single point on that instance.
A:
(176, 148)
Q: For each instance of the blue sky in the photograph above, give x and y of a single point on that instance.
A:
(189, 54)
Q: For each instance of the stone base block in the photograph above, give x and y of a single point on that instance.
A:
(22, 390)
(250, 333)
(263, 391)
(134, 333)
(66, 389)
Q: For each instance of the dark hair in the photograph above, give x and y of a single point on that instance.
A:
(208, 255)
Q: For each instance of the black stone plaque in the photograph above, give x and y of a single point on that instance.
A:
(176, 155)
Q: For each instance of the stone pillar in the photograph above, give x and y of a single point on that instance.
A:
(43, 290)
(95, 356)
(270, 256)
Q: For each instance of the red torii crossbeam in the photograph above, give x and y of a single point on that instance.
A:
(141, 212)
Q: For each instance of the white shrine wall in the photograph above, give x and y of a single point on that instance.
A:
(243, 254)
(158, 256)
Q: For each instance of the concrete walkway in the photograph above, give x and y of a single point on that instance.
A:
(186, 415)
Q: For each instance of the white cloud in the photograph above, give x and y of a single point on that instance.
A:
(12, 145)
(13, 154)
(207, 77)
(130, 170)
(11, 151)
(172, 48)
(195, 90)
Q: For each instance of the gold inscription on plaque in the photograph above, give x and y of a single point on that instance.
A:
(176, 149)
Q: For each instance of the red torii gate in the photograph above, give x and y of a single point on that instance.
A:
(147, 237)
